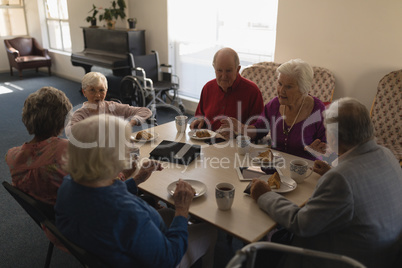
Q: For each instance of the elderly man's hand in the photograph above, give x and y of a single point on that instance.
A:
(231, 124)
(318, 148)
(197, 123)
(258, 188)
(321, 167)
(183, 195)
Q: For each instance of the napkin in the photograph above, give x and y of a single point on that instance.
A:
(175, 152)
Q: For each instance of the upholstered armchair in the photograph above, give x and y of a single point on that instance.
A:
(386, 113)
(26, 53)
(265, 76)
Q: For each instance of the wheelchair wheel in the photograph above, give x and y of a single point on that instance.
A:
(131, 92)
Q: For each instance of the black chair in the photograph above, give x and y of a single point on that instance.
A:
(43, 215)
(159, 88)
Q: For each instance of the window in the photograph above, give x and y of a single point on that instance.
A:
(12, 18)
(57, 24)
(197, 29)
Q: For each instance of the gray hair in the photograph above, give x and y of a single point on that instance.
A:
(98, 148)
(349, 121)
(301, 71)
(229, 52)
(93, 79)
(45, 111)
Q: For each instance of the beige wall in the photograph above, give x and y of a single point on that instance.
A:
(359, 41)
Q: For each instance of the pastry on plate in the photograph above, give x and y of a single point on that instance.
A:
(274, 181)
(266, 156)
(143, 135)
(202, 133)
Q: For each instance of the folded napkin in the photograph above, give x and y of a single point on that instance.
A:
(175, 152)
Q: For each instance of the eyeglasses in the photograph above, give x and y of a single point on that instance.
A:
(92, 91)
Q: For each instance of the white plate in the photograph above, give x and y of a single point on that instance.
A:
(199, 187)
(287, 184)
(257, 160)
(193, 136)
(154, 137)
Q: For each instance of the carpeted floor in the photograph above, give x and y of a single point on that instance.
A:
(22, 243)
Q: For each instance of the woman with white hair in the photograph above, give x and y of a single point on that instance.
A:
(36, 167)
(94, 87)
(106, 217)
(293, 117)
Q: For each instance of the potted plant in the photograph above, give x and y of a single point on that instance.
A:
(111, 14)
(92, 18)
(131, 23)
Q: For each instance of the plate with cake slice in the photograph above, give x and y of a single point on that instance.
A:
(144, 136)
(279, 183)
(265, 157)
(201, 134)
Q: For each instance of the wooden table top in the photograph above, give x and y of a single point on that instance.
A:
(216, 164)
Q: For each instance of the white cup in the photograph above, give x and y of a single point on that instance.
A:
(243, 144)
(224, 194)
(298, 170)
(181, 123)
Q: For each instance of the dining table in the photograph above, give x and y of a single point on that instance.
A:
(218, 163)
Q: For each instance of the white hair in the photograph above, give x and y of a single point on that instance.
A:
(299, 70)
(93, 79)
(98, 148)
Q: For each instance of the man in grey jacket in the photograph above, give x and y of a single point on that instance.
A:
(356, 208)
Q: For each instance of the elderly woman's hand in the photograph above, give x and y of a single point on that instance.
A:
(127, 173)
(183, 195)
(321, 167)
(258, 188)
(146, 170)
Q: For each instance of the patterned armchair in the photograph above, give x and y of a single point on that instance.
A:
(26, 53)
(265, 76)
(386, 113)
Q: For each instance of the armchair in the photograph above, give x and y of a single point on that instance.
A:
(265, 76)
(26, 53)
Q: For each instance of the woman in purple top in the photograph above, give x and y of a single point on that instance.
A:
(293, 118)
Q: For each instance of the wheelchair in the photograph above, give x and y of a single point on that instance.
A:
(148, 86)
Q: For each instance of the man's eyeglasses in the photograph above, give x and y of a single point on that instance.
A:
(92, 91)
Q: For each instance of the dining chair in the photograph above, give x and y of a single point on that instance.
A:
(246, 257)
(386, 113)
(43, 215)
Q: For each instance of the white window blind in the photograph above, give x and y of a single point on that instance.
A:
(197, 29)
(12, 18)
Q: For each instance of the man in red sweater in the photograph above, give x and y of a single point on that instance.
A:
(229, 95)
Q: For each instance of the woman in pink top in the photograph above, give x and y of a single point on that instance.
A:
(36, 167)
(94, 87)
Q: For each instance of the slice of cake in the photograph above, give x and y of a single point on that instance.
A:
(143, 135)
(274, 181)
(202, 133)
(266, 156)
